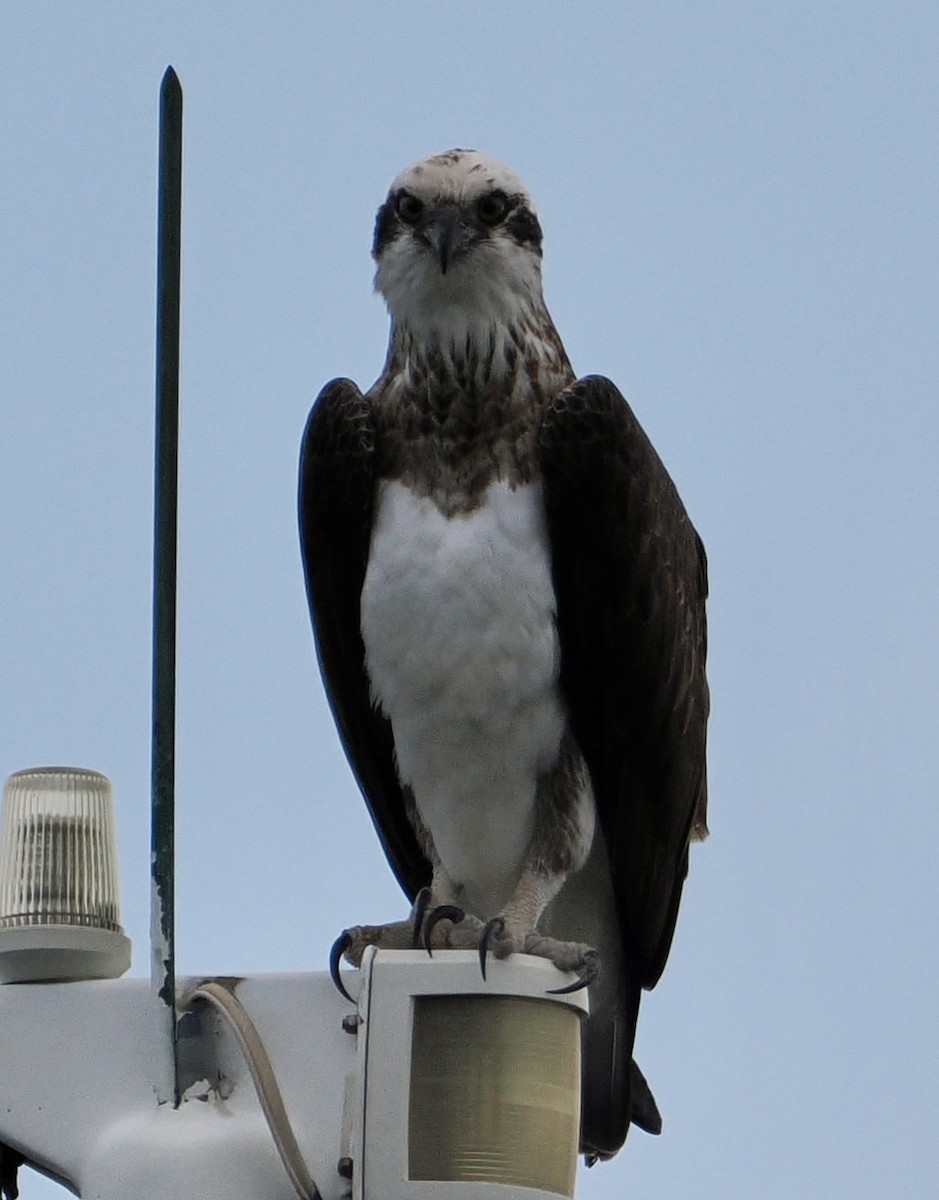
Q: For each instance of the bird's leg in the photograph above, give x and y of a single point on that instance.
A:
(515, 931)
(509, 932)
(439, 908)
(565, 822)
(563, 833)
(445, 914)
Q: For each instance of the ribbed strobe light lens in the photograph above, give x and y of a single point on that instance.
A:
(495, 1091)
(59, 911)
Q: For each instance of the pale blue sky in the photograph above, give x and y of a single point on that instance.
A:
(739, 203)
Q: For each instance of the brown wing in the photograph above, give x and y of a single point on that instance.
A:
(630, 577)
(337, 487)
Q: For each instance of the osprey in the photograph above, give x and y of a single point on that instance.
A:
(508, 606)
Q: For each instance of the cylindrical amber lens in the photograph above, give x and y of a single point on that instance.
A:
(495, 1091)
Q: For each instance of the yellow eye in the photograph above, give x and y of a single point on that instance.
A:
(409, 208)
(492, 208)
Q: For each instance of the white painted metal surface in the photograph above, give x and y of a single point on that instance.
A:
(77, 1089)
(79, 1062)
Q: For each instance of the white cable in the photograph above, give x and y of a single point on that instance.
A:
(265, 1083)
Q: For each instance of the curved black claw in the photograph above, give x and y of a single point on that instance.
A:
(443, 912)
(591, 971)
(494, 927)
(418, 912)
(340, 946)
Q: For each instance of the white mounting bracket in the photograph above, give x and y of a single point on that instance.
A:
(79, 1060)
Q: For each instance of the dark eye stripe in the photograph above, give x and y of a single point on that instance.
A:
(523, 225)
(387, 226)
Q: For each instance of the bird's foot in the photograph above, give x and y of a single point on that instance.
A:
(502, 937)
(352, 944)
(433, 927)
(397, 935)
(450, 928)
(447, 927)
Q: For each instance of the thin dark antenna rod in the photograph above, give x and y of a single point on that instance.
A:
(163, 760)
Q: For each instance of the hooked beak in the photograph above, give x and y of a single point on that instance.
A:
(446, 236)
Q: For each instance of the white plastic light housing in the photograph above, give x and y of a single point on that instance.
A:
(466, 1085)
(59, 911)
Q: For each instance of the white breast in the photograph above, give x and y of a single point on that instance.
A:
(462, 652)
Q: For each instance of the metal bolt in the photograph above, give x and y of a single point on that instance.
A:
(344, 1167)
(351, 1022)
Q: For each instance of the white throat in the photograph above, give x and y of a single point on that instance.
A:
(494, 287)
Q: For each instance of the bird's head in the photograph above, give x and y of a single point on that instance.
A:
(457, 242)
